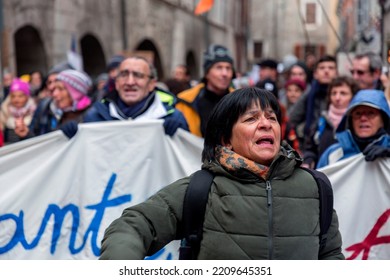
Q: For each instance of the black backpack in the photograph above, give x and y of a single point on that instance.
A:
(195, 201)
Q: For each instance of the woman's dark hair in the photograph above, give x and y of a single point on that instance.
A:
(342, 80)
(226, 113)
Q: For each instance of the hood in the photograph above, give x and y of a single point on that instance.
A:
(367, 97)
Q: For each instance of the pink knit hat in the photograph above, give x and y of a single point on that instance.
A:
(19, 85)
(78, 84)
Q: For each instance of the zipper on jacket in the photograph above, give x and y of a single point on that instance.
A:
(268, 189)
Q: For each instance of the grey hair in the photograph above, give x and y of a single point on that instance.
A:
(152, 69)
(375, 60)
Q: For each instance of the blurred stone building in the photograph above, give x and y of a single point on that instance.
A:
(365, 25)
(299, 27)
(38, 34)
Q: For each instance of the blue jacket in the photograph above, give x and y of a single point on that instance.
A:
(47, 118)
(160, 105)
(347, 146)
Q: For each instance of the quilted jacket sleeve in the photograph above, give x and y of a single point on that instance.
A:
(145, 228)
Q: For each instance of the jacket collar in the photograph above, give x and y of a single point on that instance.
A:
(282, 167)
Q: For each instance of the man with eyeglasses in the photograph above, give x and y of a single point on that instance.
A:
(366, 70)
(363, 129)
(137, 98)
(197, 102)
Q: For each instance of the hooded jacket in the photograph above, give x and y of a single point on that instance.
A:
(346, 146)
(246, 217)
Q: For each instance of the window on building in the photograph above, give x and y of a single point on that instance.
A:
(310, 49)
(258, 50)
(301, 51)
(310, 13)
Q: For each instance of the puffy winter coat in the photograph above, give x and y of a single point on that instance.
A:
(246, 217)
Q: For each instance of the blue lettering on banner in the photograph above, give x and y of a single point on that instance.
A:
(59, 215)
(160, 255)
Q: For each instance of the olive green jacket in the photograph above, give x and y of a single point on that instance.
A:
(246, 217)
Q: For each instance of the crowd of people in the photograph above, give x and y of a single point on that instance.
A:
(303, 115)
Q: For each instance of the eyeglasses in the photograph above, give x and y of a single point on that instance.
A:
(124, 74)
(358, 72)
(370, 114)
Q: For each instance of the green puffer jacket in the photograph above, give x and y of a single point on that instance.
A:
(243, 219)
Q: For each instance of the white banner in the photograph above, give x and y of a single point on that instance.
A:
(59, 195)
(362, 201)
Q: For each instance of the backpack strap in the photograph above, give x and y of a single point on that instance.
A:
(194, 208)
(326, 203)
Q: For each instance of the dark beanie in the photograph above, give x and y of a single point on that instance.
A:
(214, 54)
(114, 62)
(269, 63)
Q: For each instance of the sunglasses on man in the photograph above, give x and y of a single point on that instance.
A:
(358, 72)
